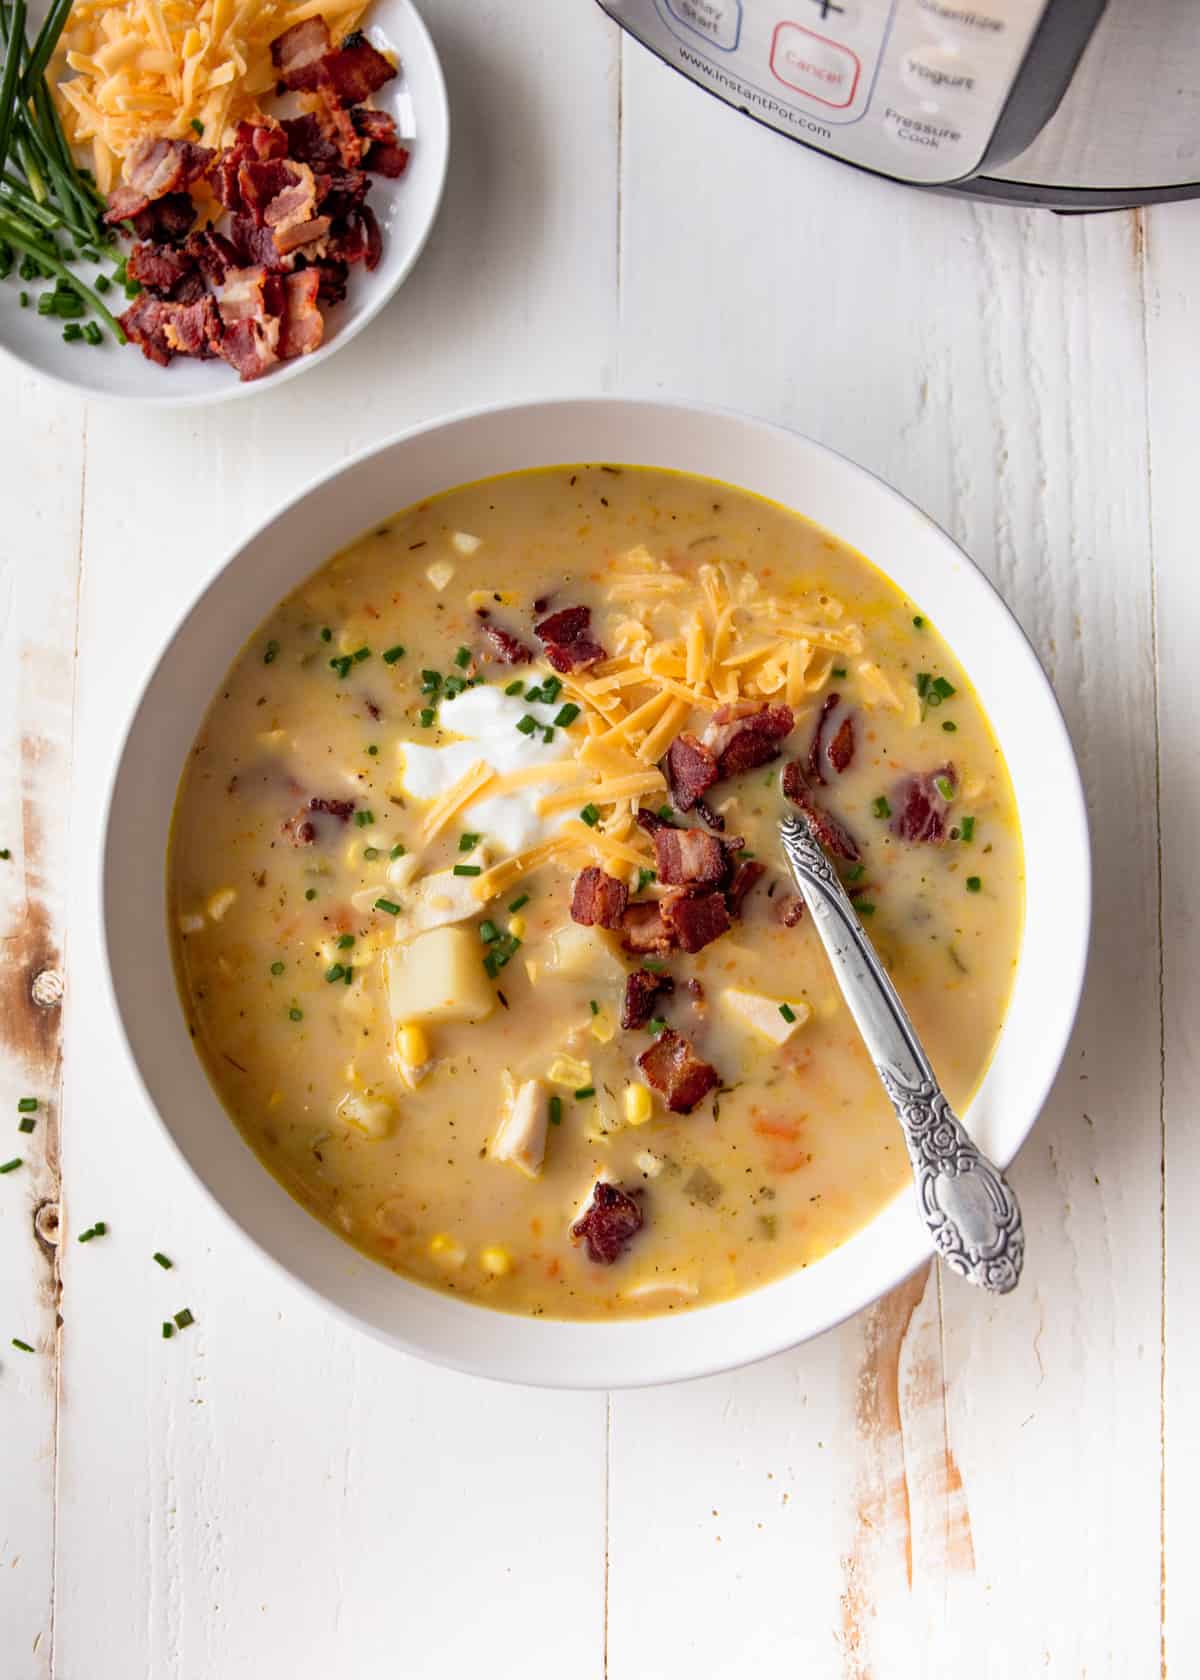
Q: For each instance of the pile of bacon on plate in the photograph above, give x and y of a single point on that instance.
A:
(290, 216)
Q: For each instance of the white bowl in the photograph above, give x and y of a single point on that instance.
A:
(407, 210)
(932, 572)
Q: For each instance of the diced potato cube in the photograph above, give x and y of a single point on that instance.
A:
(367, 1112)
(438, 977)
(220, 902)
(446, 1250)
(520, 1138)
(438, 900)
(440, 573)
(191, 924)
(496, 1260)
(602, 1027)
(775, 1018)
(464, 543)
(680, 1288)
(582, 953)
(647, 1162)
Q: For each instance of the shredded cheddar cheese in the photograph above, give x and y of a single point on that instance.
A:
(126, 70)
(460, 793)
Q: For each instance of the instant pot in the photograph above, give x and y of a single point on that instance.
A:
(1072, 104)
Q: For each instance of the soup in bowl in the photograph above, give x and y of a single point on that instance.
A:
(481, 927)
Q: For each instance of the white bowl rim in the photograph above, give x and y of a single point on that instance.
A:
(646, 1365)
(233, 389)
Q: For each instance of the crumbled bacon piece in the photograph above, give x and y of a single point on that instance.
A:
(254, 245)
(373, 124)
(705, 812)
(744, 735)
(644, 931)
(342, 809)
(334, 278)
(357, 69)
(360, 240)
(672, 1067)
(828, 830)
(835, 750)
(167, 219)
(300, 52)
(790, 910)
(163, 328)
(690, 770)
(565, 636)
(641, 989)
(506, 649)
(389, 161)
(213, 255)
(689, 857)
(158, 267)
(920, 806)
(695, 921)
(308, 144)
(598, 899)
(745, 877)
(609, 1222)
(302, 325)
(154, 169)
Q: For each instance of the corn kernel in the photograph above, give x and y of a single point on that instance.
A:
(274, 1100)
(447, 1250)
(352, 853)
(220, 902)
(638, 1105)
(496, 1260)
(565, 1070)
(351, 637)
(603, 1028)
(518, 927)
(412, 1045)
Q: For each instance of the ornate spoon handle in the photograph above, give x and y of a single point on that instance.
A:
(968, 1207)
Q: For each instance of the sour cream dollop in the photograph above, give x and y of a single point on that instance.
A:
(486, 719)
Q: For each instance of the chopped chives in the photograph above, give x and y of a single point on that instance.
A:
(880, 807)
(593, 1006)
(345, 940)
(184, 1318)
(857, 872)
(942, 688)
(341, 665)
(838, 671)
(364, 819)
(656, 1026)
(590, 815)
(551, 689)
(397, 851)
(10, 1166)
(271, 653)
(491, 965)
(918, 622)
(923, 681)
(666, 814)
(556, 1110)
(654, 965)
(584, 1092)
(5, 854)
(86, 1236)
(388, 905)
(390, 655)
(519, 903)
(168, 1330)
(426, 718)
(517, 687)
(348, 976)
(295, 1014)
(102, 284)
(488, 932)
(462, 658)
(326, 634)
(973, 883)
(788, 1013)
(467, 869)
(945, 787)
(92, 333)
(547, 735)
(431, 681)
(311, 894)
(162, 1260)
(950, 726)
(566, 715)
(967, 829)
(360, 654)
(645, 876)
(197, 125)
(26, 1123)
(372, 751)
(27, 1105)
(468, 842)
(526, 724)
(745, 857)
(24, 1346)
(454, 687)
(370, 853)
(864, 908)
(72, 332)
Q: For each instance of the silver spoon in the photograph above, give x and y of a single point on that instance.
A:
(968, 1208)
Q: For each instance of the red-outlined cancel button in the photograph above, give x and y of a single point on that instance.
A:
(813, 65)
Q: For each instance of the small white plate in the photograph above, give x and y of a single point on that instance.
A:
(406, 209)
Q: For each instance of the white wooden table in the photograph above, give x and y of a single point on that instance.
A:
(943, 1484)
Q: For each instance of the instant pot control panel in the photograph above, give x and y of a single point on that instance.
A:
(909, 88)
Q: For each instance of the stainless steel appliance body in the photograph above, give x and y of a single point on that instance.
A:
(1073, 104)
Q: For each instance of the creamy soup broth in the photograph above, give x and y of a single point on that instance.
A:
(378, 960)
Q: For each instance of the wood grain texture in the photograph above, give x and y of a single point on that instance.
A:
(39, 578)
(945, 1483)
